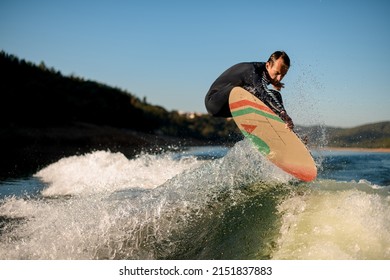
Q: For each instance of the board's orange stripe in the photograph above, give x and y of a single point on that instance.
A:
(243, 103)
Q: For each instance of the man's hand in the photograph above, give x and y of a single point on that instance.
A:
(286, 118)
(305, 139)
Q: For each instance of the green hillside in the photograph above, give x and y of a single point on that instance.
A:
(375, 135)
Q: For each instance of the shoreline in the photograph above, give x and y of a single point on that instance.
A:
(25, 150)
(371, 150)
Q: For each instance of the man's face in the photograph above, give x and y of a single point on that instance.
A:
(276, 71)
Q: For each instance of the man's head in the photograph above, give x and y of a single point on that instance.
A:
(277, 66)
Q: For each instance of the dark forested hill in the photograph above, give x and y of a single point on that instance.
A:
(36, 96)
(45, 116)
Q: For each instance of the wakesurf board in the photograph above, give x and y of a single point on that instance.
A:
(268, 132)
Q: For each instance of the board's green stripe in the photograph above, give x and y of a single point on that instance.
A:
(260, 144)
(250, 110)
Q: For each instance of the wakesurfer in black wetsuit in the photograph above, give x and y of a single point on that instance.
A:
(254, 77)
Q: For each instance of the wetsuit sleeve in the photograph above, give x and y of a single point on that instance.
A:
(272, 98)
(275, 101)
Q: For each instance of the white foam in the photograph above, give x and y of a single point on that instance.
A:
(340, 223)
(103, 171)
(125, 208)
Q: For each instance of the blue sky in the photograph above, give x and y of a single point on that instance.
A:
(171, 51)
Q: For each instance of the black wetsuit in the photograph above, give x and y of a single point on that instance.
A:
(251, 76)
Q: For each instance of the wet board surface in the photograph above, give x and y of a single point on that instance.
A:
(268, 132)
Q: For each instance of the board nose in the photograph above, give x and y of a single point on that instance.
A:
(307, 175)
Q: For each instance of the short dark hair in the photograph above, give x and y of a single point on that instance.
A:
(279, 54)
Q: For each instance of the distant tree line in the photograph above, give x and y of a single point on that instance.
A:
(38, 96)
(375, 135)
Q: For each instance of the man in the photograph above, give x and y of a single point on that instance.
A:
(254, 77)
